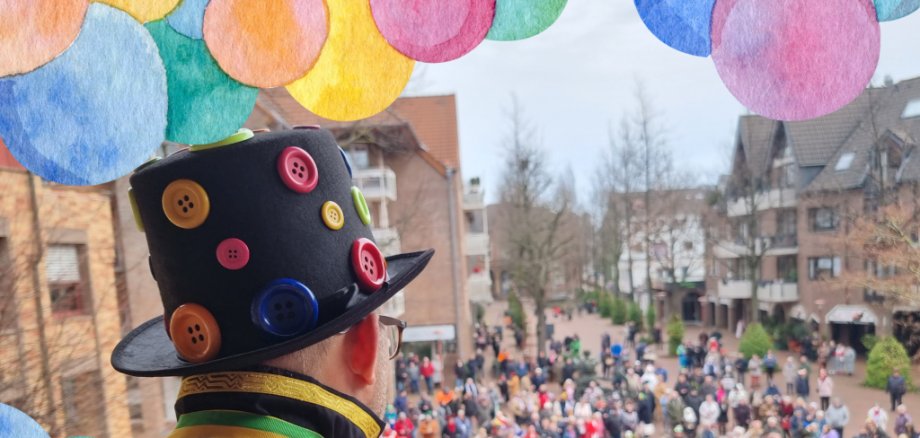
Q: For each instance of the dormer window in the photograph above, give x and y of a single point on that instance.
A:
(912, 109)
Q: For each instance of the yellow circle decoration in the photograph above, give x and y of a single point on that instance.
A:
(144, 10)
(358, 74)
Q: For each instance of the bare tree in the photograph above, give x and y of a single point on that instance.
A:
(538, 229)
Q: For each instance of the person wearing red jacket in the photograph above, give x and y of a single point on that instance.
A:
(427, 371)
(403, 426)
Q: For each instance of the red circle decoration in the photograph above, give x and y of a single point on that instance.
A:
(297, 170)
(368, 264)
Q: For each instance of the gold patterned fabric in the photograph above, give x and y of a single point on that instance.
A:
(318, 407)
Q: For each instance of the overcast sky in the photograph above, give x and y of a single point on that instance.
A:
(579, 76)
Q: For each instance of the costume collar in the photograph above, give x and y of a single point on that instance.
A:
(289, 397)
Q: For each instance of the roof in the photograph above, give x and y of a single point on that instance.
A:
(846, 137)
(6, 158)
(433, 119)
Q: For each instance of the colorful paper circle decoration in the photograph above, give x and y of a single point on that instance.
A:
(888, 10)
(520, 19)
(433, 31)
(15, 423)
(795, 59)
(205, 105)
(682, 24)
(36, 31)
(358, 74)
(188, 18)
(265, 43)
(144, 10)
(95, 112)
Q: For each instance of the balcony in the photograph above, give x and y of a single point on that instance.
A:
(377, 183)
(768, 291)
(778, 292)
(779, 245)
(776, 198)
(477, 244)
(479, 288)
(387, 240)
(473, 201)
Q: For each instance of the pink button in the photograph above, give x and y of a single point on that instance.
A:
(233, 254)
(297, 169)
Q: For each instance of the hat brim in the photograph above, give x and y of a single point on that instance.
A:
(147, 351)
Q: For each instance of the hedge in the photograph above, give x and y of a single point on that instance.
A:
(675, 334)
(885, 356)
(755, 340)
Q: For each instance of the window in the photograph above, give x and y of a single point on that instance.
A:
(912, 109)
(688, 245)
(822, 219)
(359, 157)
(65, 271)
(8, 317)
(84, 407)
(845, 161)
(786, 268)
(822, 268)
(786, 222)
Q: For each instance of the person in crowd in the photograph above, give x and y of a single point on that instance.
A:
(896, 388)
(837, 416)
(825, 386)
(790, 373)
(802, 387)
(755, 370)
(902, 420)
(426, 369)
(770, 363)
(879, 417)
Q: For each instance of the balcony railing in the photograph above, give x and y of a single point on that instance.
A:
(376, 183)
(387, 240)
(479, 288)
(768, 245)
(767, 291)
(775, 198)
(477, 244)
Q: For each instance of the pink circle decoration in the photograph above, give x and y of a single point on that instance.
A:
(795, 59)
(433, 30)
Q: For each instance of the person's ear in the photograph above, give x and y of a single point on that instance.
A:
(361, 349)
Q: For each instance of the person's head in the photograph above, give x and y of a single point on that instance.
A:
(709, 398)
(902, 408)
(896, 372)
(356, 362)
(836, 402)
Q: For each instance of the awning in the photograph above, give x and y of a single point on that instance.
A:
(766, 307)
(427, 333)
(851, 314)
(798, 312)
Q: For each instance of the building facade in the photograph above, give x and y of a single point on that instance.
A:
(788, 209)
(60, 314)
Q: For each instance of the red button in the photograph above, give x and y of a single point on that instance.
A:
(233, 254)
(369, 264)
(297, 169)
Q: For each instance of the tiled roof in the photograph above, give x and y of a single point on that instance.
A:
(756, 136)
(6, 157)
(433, 118)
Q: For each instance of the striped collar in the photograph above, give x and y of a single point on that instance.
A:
(272, 401)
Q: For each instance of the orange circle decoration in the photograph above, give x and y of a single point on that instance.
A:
(265, 43)
(36, 31)
(195, 333)
(358, 74)
(144, 10)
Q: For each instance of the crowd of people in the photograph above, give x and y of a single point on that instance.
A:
(558, 395)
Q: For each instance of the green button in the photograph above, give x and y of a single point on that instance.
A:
(147, 163)
(242, 135)
(137, 215)
(361, 205)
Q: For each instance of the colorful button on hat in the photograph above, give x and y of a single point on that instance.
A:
(254, 255)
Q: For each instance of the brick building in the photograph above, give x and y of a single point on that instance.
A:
(60, 313)
(805, 182)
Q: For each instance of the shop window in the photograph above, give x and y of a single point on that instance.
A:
(66, 273)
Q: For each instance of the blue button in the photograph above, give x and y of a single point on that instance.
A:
(285, 308)
(346, 160)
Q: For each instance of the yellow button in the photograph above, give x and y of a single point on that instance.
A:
(185, 203)
(242, 134)
(332, 215)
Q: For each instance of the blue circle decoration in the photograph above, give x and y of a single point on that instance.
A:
(346, 160)
(685, 25)
(188, 18)
(93, 113)
(285, 308)
(888, 10)
(14, 422)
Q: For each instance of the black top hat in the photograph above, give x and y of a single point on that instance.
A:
(260, 246)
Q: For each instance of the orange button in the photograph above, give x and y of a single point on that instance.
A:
(195, 333)
(185, 203)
